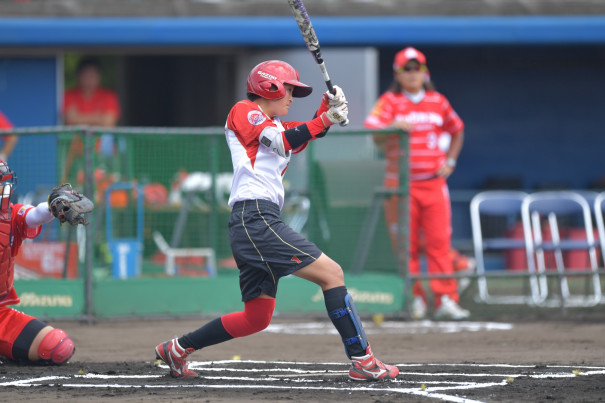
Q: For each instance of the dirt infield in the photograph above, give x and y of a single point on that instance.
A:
(558, 359)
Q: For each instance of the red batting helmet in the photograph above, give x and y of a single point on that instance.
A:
(268, 78)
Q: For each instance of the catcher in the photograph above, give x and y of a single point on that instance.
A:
(22, 337)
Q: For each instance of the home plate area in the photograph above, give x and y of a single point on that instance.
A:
(242, 380)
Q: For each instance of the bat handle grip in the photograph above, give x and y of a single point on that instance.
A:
(333, 92)
(330, 87)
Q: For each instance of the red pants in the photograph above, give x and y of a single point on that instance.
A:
(12, 323)
(430, 214)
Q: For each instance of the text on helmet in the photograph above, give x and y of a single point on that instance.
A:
(266, 75)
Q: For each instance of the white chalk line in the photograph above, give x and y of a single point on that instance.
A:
(293, 370)
(240, 378)
(503, 366)
(431, 389)
(412, 391)
(25, 382)
(226, 378)
(572, 375)
(103, 376)
(390, 327)
(200, 364)
(328, 372)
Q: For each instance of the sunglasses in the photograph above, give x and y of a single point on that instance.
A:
(415, 67)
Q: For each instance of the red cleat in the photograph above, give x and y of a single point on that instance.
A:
(175, 356)
(368, 368)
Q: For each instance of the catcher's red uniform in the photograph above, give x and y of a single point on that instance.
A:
(430, 210)
(12, 321)
(5, 124)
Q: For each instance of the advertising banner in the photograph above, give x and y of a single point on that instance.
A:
(50, 298)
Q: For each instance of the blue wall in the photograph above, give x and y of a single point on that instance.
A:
(259, 31)
(28, 97)
(529, 88)
(532, 112)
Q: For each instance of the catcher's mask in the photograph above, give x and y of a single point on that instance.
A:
(7, 175)
(8, 181)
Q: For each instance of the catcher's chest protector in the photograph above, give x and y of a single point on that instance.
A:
(6, 259)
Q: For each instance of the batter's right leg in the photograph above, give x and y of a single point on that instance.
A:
(342, 311)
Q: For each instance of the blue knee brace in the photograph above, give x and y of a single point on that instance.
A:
(351, 310)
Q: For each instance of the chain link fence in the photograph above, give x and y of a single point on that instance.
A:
(161, 208)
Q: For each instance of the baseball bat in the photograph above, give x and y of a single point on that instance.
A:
(308, 33)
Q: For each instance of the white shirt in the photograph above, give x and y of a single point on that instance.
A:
(258, 168)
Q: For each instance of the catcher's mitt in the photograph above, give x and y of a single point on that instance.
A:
(69, 205)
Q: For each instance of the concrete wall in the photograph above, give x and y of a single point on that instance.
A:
(75, 8)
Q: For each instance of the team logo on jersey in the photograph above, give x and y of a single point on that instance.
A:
(424, 118)
(21, 210)
(256, 118)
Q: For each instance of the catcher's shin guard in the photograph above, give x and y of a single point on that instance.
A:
(56, 347)
(351, 310)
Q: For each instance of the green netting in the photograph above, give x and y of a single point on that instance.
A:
(184, 177)
(342, 194)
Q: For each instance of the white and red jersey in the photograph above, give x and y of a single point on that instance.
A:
(257, 169)
(12, 233)
(431, 116)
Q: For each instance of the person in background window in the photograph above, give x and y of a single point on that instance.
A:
(90, 104)
(10, 141)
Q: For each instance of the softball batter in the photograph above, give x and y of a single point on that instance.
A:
(264, 247)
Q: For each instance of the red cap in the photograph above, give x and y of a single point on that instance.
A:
(404, 56)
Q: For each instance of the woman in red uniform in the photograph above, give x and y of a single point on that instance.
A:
(412, 105)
